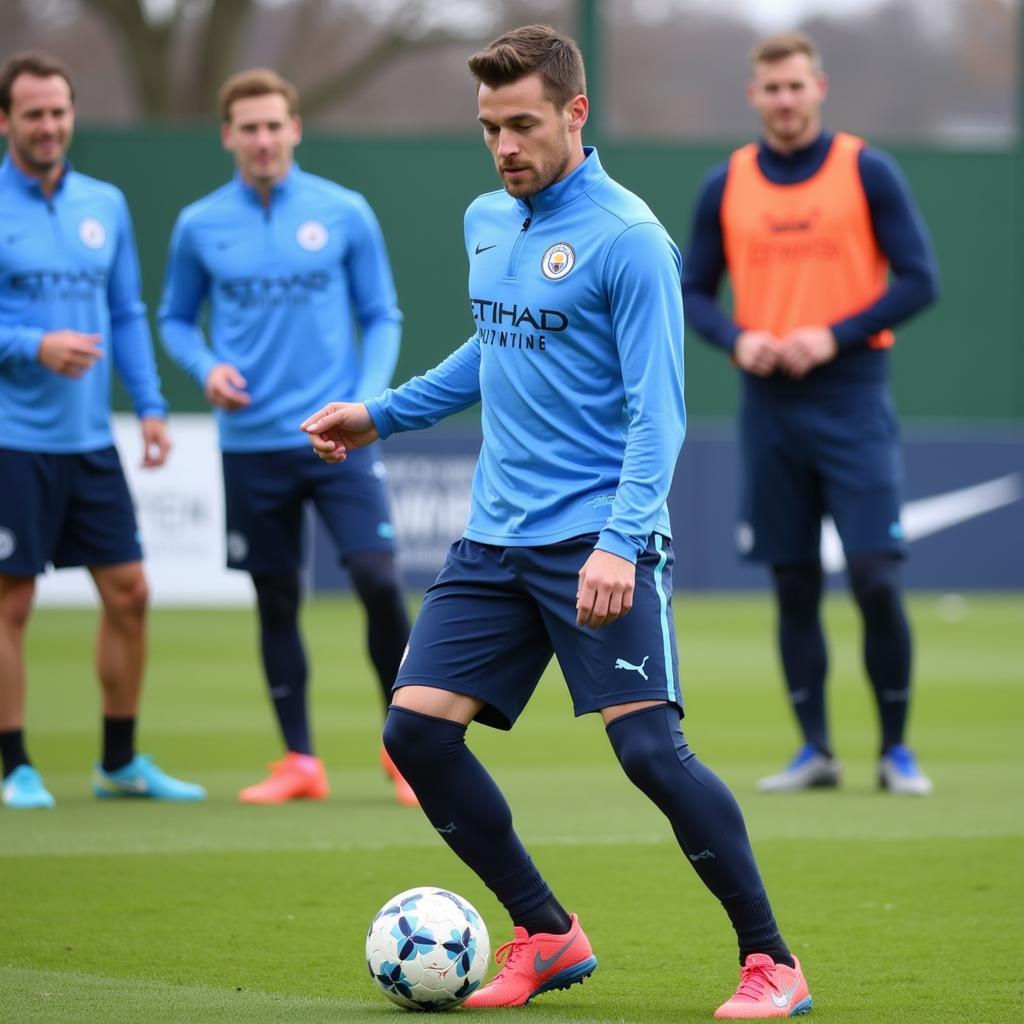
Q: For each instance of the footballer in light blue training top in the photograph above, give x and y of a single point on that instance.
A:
(294, 273)
(70, 313)
(577, 363)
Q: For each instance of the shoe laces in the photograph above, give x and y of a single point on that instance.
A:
(506, 954)
(755, 979)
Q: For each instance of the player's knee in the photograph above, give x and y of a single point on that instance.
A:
(875, 582)
(798, 588)
(644, 748)
(403, 741)
(126, 598)
(375, 578)
(16, 604)
(277, 597)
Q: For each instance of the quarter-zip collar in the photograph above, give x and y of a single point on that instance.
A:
(580, 181)
(279, 190)
(11, 172)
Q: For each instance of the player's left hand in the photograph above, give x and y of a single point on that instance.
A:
(156, 442)
(804, 348)
(606, 589)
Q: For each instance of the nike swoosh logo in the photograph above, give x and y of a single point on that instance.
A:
(925, 516)
(131, 786)
(540, 964)
(784, 999)
(483, 248)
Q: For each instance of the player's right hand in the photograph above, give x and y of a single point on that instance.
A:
(225, 388)
(757, 352)
(338, 428)
(70, 353)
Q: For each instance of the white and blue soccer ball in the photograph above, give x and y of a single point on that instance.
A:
(427, 949)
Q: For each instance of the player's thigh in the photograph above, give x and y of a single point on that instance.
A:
(861, 464)
(352, 500)
(632, 659)
(33, 503)
(478, 633)
(263, 511)
(99, 525)
(781, 501)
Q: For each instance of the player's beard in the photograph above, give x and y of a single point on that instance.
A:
(539, 177)
(37, 164)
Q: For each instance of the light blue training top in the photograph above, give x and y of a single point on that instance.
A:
(577, 361)
(68, 262)
(286, 285)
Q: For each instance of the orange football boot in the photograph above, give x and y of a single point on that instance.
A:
(294, 777)
(403, 791)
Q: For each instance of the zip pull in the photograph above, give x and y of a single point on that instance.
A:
(526, 223)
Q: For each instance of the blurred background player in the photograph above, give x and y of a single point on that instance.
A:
(809, 226)
(568, 551)
(289, 264)
(70, 310)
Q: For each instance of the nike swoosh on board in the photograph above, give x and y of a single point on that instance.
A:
(925, 516)
(541, 964)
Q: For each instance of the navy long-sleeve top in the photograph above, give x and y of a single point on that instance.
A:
(898, 227)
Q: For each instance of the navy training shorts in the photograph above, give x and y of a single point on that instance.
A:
(265, 494)
(495, 615)
(67, 509)
(802, 460)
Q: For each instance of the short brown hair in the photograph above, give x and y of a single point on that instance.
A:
(256, 82)
(30, 62)
(533, 49)
(774, 48)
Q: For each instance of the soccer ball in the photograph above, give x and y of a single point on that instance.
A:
(427, 949)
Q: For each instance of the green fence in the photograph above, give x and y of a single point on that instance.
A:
(961, 360)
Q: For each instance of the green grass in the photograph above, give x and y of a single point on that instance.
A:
(902, 910)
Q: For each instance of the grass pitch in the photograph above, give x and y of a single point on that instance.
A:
(901, 909)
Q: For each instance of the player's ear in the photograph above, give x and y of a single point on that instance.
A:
(297, 128)
(577, 110)
(225, 135)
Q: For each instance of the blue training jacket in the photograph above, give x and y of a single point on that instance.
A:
(68, 262)
(286, 284)
(577, 361)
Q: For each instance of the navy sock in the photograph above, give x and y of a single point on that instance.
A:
(705, 818)
(875, 581)
(465, 806)
(375, 579)
(798, 590)
(284, 657)
(12, 750)
(118, 742)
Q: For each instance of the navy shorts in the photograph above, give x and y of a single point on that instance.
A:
(69, 509)
(803, 460)
(495, 615)
(265, 494)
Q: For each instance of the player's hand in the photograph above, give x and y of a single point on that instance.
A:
(804, 348)
(757, 352)
(70, 353)
(225, 388)
(156, 442)
(338, 428)
(606, 589)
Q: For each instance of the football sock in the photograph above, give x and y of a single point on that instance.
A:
(12, 750)
(465, 806)
(118, 742)
(375, 579)
(284, 658)
(705, 818)
(798, 590)
(875, 581)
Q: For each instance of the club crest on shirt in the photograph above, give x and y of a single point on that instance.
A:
(92, 233)
(311, 235)
(557, 261)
